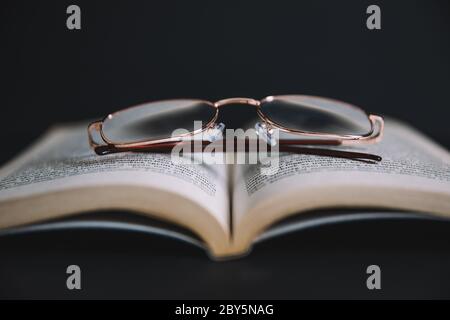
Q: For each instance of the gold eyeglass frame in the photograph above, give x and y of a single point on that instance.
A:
(374, 135)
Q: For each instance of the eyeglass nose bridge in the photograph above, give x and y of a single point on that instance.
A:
(248, 101)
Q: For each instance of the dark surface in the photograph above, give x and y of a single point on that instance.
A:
(133, 51)
(324, 262)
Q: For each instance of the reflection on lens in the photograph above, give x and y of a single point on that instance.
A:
(156, 120)
(314, 114)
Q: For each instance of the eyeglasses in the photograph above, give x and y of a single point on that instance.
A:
(301, 120)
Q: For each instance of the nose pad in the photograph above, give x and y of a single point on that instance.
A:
(214, 133)
(266, 133)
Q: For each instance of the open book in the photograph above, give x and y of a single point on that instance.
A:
(227, 206)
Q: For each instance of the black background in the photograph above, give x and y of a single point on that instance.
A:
(129, 52)
(321, 263)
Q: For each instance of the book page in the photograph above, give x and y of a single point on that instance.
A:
(413, 174)
(64, 175)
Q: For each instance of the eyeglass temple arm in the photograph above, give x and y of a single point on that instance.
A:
(375, 135)
(95, 128)
(168, 146)
(378, 127)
